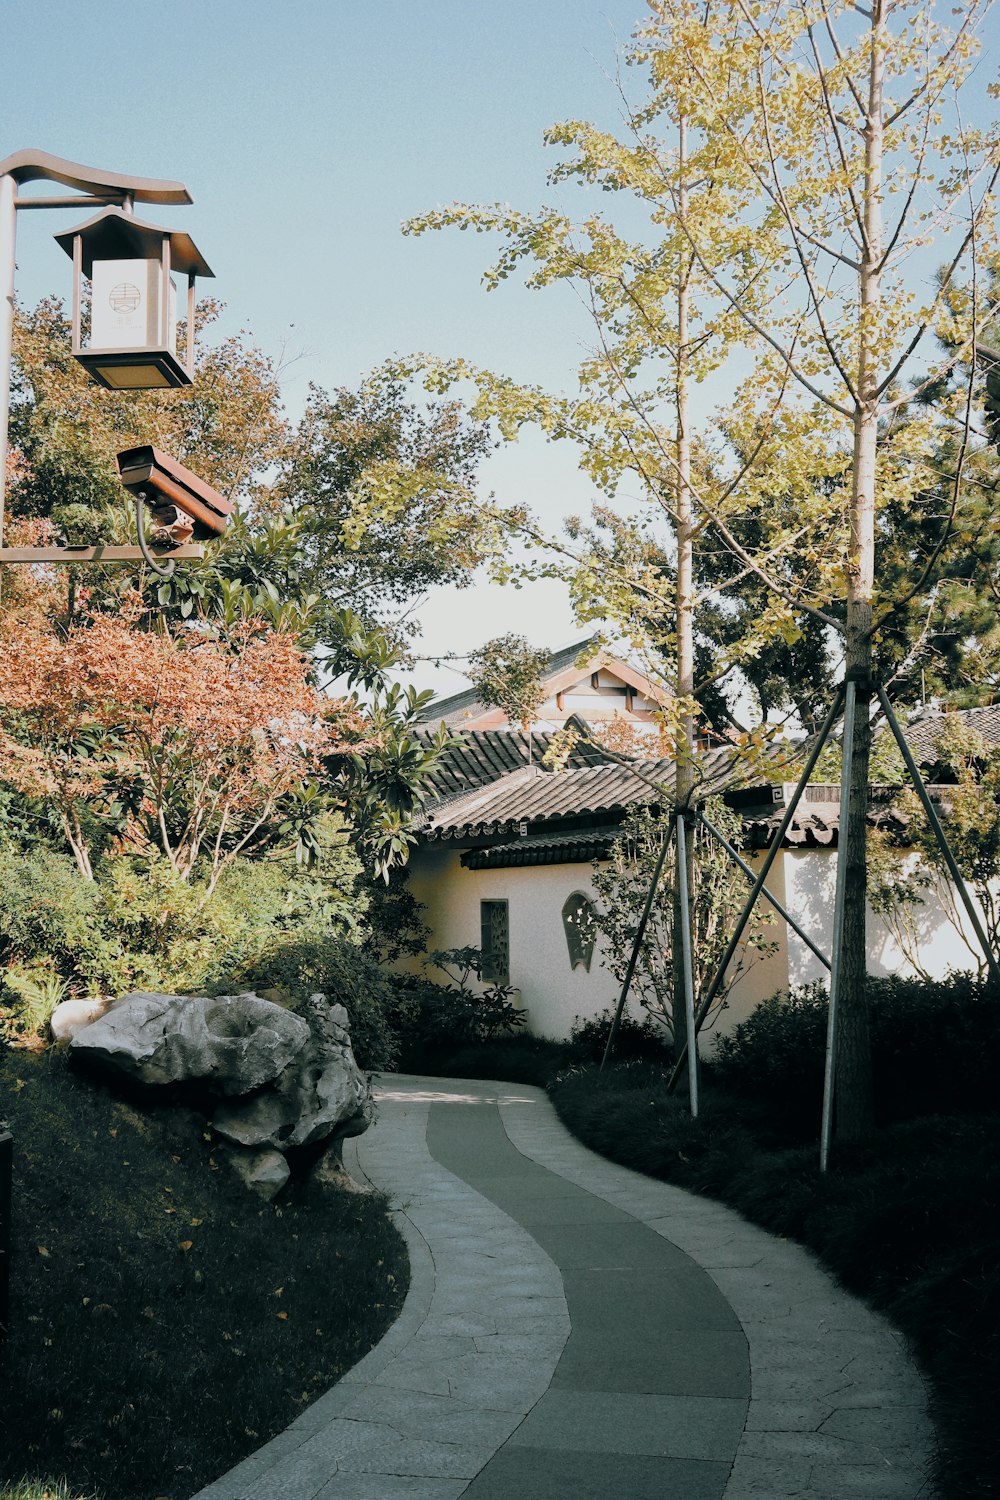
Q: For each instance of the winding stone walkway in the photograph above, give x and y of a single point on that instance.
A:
(577, 1330)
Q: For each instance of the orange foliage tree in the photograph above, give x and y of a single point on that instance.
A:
(198, 739)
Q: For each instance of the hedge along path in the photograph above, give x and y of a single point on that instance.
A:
(576, 1329)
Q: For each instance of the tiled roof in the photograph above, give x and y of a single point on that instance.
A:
(467, 704)
(480, 756)
(923, 733)
(543, 849)
(531, 795)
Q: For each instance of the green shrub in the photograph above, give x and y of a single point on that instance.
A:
(633, 1039)
(297, 964)
(138, 925)
(432, 1021)
(29, 995)
(935, 1049)
(47, 910)
(513, 1059)
(776, 1057)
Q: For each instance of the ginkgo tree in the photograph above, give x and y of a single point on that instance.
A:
(806, 166)
(845, 123)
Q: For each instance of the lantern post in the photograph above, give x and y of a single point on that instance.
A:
(131, 261)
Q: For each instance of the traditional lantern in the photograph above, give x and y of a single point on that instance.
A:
(133, 318)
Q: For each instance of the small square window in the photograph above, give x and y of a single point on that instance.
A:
(495, 941)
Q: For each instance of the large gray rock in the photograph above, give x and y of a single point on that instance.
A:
(235, 1043)
(266, 1172)
(285, 1080)
(322, 1093)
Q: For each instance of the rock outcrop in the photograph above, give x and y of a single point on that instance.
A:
(237, 1043)
(264, 1171)
(321, 1094)
(275, 1081)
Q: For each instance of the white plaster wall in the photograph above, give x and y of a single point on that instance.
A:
(553, 994)
(810, 880)
(763, 974)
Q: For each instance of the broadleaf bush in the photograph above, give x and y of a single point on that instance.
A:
(935, 1049)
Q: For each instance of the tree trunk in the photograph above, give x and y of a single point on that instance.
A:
(853, 1088)
(684, 599)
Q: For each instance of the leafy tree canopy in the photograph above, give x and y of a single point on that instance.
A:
(383, 492)
(506, 673)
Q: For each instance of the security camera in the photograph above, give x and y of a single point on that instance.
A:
(167, 488)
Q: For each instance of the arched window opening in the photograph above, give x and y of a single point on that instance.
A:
(580, 927)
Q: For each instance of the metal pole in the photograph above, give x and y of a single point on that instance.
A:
(939, 834)
(165, 328)
(189, 352)
(751, 901)
(8, 236)
(685, 914)
(637, 944)
(830, 1061)
(799, 933)
(77, 334)
(6, 1174)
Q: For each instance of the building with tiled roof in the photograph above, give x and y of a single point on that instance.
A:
(583, 678)
(507, 848)
(923, 733)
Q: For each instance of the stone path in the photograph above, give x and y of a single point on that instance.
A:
(577, 1330)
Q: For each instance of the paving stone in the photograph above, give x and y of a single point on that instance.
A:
(787, 1416)
(544, 1474)
(893, 1428)
(663, 1289)
(712, 1364)
(297, 1477)
(621, 1305)
(443, 1419)
(234, 1484)
(771, 1478)
(879, 1482)
(389, 1486)
(611, 1422)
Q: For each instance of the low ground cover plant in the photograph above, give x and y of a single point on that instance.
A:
(164, 1321)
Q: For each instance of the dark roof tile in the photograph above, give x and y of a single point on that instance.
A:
(477, 757)
(532, 795)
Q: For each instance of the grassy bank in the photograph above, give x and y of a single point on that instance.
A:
(164, 1321)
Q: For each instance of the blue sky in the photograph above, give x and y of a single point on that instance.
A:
(307, 131)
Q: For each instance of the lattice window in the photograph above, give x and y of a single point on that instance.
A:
(580, 929)
(495, 941)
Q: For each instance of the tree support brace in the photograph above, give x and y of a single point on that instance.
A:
(686, 966)
(640, 933)
(772, 853)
